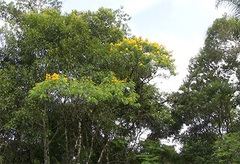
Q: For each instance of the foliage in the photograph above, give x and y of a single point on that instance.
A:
(227, 148)
(153, 152)
(207, 101)
(96, 96)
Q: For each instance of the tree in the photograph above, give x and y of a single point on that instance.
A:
(233, 4)
(153, 152)
(76, 86)
(227, 148)
(207, 101)
(86, 100)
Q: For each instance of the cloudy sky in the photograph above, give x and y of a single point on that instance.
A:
(180, 25)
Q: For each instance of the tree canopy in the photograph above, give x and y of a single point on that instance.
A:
(75, 87)
(208, 100)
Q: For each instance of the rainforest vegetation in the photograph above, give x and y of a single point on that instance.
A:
(76, 88)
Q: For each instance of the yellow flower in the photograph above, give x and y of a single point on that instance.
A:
(65, 79)
(135, 46)
(55, 76)
(111, 44)
(48, 76)
(37, 84)
(115, 80)
(146, 40)
(124, 80)
(140, 63)
(126, 49)
(121, 52)
(130, 99)
(111, 49)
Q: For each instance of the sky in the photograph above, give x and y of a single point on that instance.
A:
(180, 25)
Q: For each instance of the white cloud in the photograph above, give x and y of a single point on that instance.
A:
(183, 49)
(209, 7)
(133, 7)
(182, 2)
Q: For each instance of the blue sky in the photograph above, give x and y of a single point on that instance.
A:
(180, 25)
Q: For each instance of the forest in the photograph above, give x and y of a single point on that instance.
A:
(76, 88)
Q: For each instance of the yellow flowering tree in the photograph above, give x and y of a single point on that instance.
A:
(74, 87)
(84, 99)
(140, 59)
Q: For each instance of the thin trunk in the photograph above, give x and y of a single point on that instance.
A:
(46, 138)
(101, 155)
(91, 149)
(92, 141)
(66, 143)
(78, 144)
(105, 147)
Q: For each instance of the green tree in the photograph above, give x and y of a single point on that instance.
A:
(208, 99)
(227, 149)
(86, 100)
(12, 11)
(153, 152)
(96, 96)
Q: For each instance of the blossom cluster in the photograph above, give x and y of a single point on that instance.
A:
(54, 77)
(115, 80)
(144, 53)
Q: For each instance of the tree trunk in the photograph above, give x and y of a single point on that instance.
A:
(105, 147)
(46, 138)
(78, 144)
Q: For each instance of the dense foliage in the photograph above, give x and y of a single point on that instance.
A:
(208, 101)
(75, 87)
